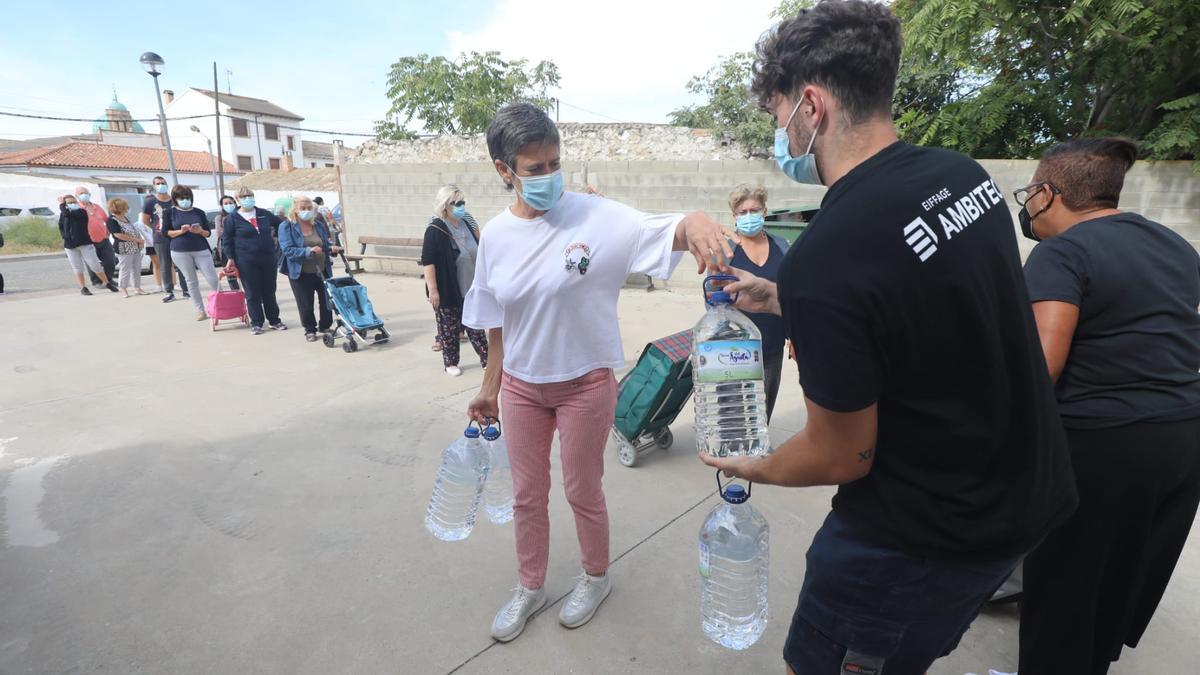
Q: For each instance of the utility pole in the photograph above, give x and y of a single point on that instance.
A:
(220, 160)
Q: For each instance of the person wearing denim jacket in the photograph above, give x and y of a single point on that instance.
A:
(306, 252)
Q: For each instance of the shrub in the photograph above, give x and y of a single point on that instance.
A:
(33, 231)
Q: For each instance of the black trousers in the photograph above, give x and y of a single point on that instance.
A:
(1092, 586)
(772, 369)
(108, 260)
(166, 267)
(259, 279)
(304, 288)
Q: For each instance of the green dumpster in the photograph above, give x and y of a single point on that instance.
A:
(790, 223)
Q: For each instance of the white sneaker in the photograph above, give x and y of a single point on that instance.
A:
(583, 602)
(453, 371)
(511, 618)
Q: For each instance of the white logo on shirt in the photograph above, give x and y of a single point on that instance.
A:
(921, 238)
(578, 257)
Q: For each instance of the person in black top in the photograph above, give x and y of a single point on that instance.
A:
(760, 254)
(156, 214)
(77, 242)
(248, 240)
(928, 400)
(1115, 298)
(188, 230)
(448, 262)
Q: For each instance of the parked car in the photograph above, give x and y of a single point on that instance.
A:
(9, 214)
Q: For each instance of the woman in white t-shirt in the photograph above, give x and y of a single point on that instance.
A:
(548, 274)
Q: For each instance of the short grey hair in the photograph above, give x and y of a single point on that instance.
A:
(445, 196)
(515, 126)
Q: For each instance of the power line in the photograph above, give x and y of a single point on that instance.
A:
(190, 117)
(590, 112)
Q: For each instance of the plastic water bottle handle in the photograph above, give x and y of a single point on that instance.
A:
(707, 287)
(721, 488)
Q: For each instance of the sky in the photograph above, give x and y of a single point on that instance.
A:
(619, 60)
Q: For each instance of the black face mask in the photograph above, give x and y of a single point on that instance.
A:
(1026, 220)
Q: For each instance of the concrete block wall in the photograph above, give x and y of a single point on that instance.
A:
(396, 199)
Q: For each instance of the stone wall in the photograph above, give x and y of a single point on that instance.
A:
(396, 199)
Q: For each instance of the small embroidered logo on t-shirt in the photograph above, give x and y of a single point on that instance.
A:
(578, 257)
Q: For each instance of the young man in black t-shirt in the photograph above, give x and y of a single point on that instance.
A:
(928, 399)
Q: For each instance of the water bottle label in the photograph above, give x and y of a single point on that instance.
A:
(705, 560)
(728, 361)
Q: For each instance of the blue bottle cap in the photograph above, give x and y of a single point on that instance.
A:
(720, 298)
(471, 432)
(735, 494)
(491, 434)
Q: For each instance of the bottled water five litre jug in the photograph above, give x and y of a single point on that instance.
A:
(733, 570)
(498, 490)
(727, 376)
(458, 488)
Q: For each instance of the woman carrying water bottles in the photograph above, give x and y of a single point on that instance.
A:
(548, 274)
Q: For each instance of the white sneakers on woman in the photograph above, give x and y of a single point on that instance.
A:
(579, 607)
(511, 618)
(453, 371)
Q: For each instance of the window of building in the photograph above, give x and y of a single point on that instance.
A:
(245, 163)
(274, 162)
(328, 165)
(271, 131)
(239, 129)
(291, 142)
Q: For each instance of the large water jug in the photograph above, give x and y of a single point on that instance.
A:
(498, 490)
(458, 488)
(733, 570)
(727, 376)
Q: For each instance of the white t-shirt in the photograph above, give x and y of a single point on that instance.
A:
(552, 283)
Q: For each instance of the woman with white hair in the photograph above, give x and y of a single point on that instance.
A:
(448, 257)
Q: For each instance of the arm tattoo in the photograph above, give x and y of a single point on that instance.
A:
(866, 455)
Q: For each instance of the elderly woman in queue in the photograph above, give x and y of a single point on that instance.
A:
(548, 274)
(448, 257)
(188, 232)
(1115, 298)
(306, 260)
(248, 239)
(129, 245)
(77, 242)
(760, 253)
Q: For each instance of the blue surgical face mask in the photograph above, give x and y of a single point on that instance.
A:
(247, 202)
(305, 214)
(542, 192)
(750, 224)
(228, 208)
(802, 169)
(185, 203)
(161, 188)
(85, 197)
(72, 206)
(459, 211)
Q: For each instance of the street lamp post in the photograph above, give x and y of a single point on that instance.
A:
(218, 184)
(153, 64)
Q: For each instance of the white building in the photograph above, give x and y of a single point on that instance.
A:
(317, 155)
(253, 136)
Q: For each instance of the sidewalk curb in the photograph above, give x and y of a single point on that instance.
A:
(21, 257)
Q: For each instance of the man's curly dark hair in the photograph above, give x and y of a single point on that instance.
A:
(850, 47)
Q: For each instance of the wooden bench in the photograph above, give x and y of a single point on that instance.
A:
(364, 242)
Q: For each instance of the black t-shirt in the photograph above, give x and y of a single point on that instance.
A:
(190, 241)
(770, 325)
(906, 291)
(1135, 356)
(159, 211)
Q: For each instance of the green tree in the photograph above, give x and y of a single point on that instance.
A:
(1019, 75)
(730, 112)
(460, 96)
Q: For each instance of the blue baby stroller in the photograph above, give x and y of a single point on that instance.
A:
(352, 313)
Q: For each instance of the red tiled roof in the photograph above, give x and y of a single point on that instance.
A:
(103, 156)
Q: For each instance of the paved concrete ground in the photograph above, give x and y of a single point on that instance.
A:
(177, 501)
